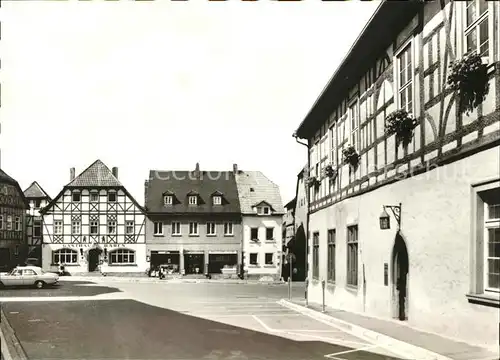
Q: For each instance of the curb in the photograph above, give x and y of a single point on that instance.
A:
(11, 348)
(400, 348)
(169, 281)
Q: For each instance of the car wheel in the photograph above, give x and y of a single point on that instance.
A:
(39, 284)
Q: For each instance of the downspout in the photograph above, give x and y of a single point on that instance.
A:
(307, 219)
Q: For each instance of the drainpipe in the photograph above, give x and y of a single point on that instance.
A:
(307, 219)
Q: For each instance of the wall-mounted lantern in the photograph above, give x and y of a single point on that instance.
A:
(385, 220)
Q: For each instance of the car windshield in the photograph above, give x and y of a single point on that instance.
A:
(13, 272)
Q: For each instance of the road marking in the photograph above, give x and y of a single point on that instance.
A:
(351, 351)
(327, 339)
(263, 324)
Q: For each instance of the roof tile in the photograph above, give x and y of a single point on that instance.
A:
(182, 183)
(35, 191)
(97, 174)
(263, 190)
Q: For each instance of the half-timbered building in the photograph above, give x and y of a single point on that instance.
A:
(411, 229)
(194, 222)
(94, 224)
(37, 199)
(13, 205)
(262, 217)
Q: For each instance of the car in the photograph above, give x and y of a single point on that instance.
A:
(28, 276)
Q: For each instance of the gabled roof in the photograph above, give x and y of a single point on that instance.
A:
(168, 192)
(263, 202)
(217, 193)
(96, 175)
(291, 204)
(35, 191)
(183, 183)
(263, 190)
(6, 179)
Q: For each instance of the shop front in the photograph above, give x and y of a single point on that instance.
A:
(170, 260)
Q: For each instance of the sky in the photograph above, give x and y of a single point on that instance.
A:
(164, 85)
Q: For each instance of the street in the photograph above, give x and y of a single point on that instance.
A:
(173, 321)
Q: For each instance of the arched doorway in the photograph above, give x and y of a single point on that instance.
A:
(400, 271)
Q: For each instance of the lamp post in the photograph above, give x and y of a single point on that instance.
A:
(385, 220)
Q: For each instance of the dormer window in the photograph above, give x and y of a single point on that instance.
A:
(168, 199)
(263, 210)
(193, 199)
(217, 200)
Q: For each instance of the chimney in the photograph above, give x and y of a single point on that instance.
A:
(72, 174)
(146, 184)
(197, 170)
(235, 169)
(115, 172)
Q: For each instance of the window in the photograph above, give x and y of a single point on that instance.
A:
(28, 272)
(228, 228)
(269, 259)
(121, 256)
(157, 228)
(129, 226)
(9, 222)
(1, 222)
(111, 227)
(76, 227)
(331, 255)
(254, 259)
(254, 234)
(111, 196)
(94, 227)
(193, 228)
(352, 255)
(217, 200)
(65, 256)
(333, 146)
(193, 200)
(315, 256)
(405, 79)
(76, 196)
(476, 27)
(58, 226)
(37, 228)
(492, 241)
(168, 199)
(354, 119)
(263, 210)
(38, 203)
(17, 223)
(176, 228)
(211, 228)
(94, 196)
(269, 233)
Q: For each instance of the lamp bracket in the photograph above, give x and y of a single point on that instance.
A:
(396, 211)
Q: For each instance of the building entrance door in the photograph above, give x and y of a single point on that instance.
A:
(400, 265)
(194, 263)
(93, 259)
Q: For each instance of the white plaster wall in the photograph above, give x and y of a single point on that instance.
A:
(82, 267)
(262, 247)
(436, 219)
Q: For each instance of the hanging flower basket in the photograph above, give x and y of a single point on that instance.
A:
(402, 125)
(469, 77)
(350, 156)
(330, 172)
(313, 181)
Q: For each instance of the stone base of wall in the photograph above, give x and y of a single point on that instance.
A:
(262, 277)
